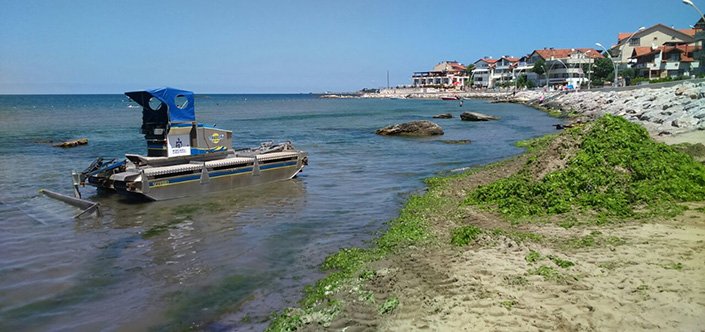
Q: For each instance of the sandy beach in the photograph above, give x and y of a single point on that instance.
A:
(630, 276)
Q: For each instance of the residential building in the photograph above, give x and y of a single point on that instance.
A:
(523, 67)
(566, 66)
(446, 74)
(504, 70)
(665, 61)
(483, 72)
(489, 73)
(653, 37)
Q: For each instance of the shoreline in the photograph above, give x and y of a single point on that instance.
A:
(628, 279)
(673, 113)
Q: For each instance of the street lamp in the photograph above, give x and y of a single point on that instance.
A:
(690, 3)
(548, 77)
(621, 56)
(614, 83)
(590, 61)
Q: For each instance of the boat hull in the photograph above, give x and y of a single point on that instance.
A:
(198, 178)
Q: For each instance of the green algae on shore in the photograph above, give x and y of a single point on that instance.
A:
(611, 167)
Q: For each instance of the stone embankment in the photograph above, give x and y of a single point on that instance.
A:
(662, 111)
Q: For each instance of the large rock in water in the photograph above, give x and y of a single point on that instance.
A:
(472, 116)
(413, 128)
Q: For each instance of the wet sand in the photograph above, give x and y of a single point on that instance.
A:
(693, 137)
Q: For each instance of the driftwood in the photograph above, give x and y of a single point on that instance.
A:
(70, 144)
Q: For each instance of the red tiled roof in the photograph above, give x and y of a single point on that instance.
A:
(488, 60)
(510, 58)
(684, 49)
(562, 53)
(641, 51)
(623, 35)
(457, 66)
(689, 32)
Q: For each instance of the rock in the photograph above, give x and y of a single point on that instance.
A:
(443, 116)
(70, 144)
(694, 93)
(473, 116)
(644, 116)
(683, 122)
(699, 114)
(680, 90)
(689, 106)
(455, 141)
(413, 128)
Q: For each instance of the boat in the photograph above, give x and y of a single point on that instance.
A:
(186, 158)
(451, 98)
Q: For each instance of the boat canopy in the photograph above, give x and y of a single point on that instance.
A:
(176, 104)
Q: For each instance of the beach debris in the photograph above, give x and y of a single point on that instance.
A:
(413, 128)
(473, 116)
(443, 116)
(73, 143)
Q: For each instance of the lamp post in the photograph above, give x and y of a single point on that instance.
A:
(590, 61)
(621, 56)
(614, 83)
(551, 67)
(690, 3)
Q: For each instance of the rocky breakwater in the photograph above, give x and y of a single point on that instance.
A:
(662, 111)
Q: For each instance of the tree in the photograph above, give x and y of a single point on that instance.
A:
(602, 70)
(539, 67)
(469, 68)
(523, 81)
(468, 71)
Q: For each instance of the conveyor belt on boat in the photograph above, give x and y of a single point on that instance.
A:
(220, 163)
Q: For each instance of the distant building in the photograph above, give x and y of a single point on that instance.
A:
(665, 61)
(483, 73)
(489, 72)
(447, 74)
(566, 66)
(524, 67)
(653, 37)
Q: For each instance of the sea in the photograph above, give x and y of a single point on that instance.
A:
(227, 260)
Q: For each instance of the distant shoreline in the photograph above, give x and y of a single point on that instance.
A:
(667, 111)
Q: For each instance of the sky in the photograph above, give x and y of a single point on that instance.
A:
(262, 46)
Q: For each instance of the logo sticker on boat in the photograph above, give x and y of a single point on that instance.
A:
(179, 145)
(216, 137)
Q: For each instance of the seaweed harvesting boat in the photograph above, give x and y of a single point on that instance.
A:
(186, 158)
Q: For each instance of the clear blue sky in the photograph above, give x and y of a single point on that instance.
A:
(261, 46)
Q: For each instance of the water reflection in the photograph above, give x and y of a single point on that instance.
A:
(170, 254)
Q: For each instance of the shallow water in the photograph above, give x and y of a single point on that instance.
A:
(225, 260)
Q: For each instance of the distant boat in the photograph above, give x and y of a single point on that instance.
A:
(451, 98)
